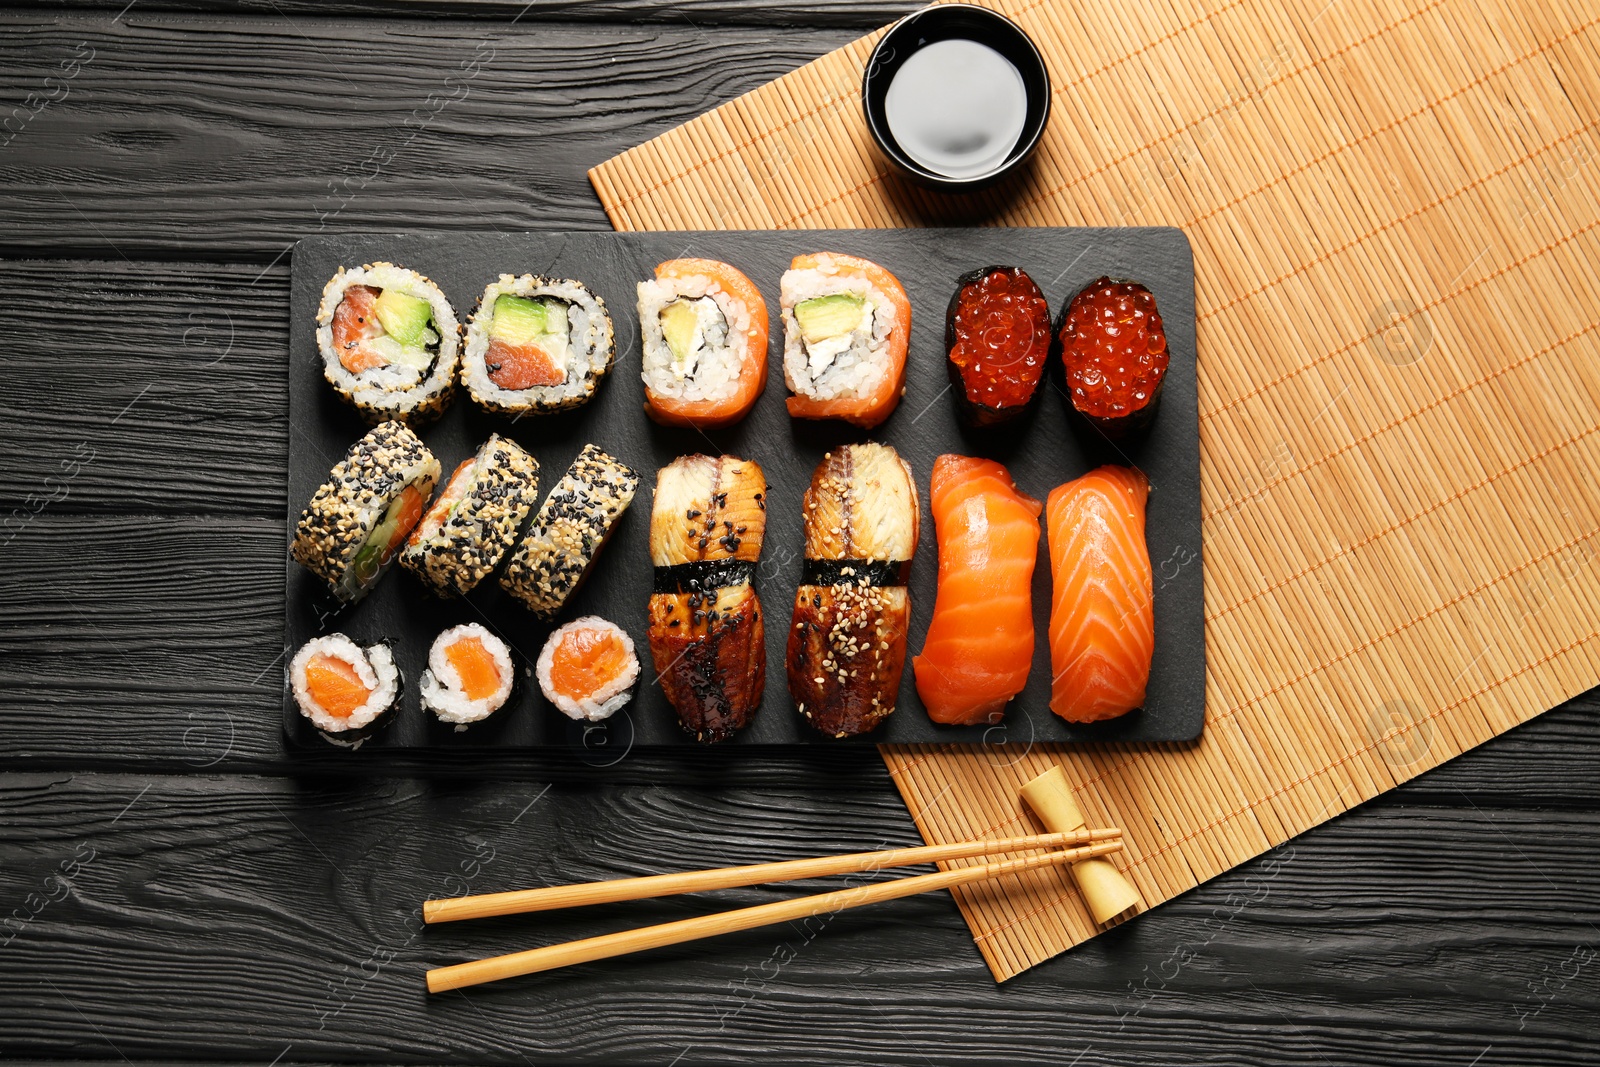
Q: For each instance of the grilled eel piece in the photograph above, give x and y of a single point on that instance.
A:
(847, 644)
(706, 633)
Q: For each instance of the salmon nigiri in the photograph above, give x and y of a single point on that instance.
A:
(705, 343)
(1102, 619)
(847, 323)
(980, 642)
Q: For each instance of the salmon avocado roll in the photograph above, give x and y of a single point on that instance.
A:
(703, 326)
(359, 518)
(389, 342)
(345, 690)
(846, 324)
(469, 676)
(536, 345)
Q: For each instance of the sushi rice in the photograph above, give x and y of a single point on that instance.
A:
(606, 699)
(412, 387)
(442, 690)
(590, 347)
(711, 371)
(850, 367)
(374, 666)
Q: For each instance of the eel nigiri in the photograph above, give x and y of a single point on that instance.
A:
(706, 634)
(847, 323)
(704, 329)
(1102, 622)
(980, 642)
(847, 643)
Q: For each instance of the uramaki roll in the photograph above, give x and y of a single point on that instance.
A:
(467, 531)
(389, 342)
(536, 345)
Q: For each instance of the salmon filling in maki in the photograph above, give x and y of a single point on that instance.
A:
(587, 669)
(343, 688)
(469, 675)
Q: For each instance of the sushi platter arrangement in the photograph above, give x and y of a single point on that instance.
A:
(603, 490)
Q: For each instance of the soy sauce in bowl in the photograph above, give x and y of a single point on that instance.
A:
(956, 96)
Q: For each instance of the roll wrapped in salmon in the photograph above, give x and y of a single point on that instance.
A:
(847, 324)
(703, 328)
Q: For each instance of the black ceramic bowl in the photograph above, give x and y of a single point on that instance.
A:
(944, 22)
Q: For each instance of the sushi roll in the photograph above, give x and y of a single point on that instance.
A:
(469, 528)
(569, 531)
(997, 344)
(847, 641)
(358, 519)
(707, 639)
(389, 342)
(703, 326)
(343, 689)
(587, 669)
(536, 345)
(469, 676)
(1114, 353)
(846, 326)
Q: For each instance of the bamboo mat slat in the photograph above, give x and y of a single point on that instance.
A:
(1397, 246)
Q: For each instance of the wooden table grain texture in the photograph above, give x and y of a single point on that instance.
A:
(173, 887)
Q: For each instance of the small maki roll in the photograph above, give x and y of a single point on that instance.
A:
(567, 534)
(358, 519)
(345, 690)
(703, 327)
(472, 524)
(536, 345)
(997, 341)
(1114, 352)
(587, 669)
(389, 342)
(469, 677)
(846, 327)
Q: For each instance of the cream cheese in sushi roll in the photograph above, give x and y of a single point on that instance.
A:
(567, 534)
(587, 669)
(467, 531)
(703, 331)
(390, 342)
(345, 690)
(469, 677)
(846, 327)
(358, 519)
(536, 345)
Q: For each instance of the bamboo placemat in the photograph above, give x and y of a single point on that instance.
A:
(1393, 210)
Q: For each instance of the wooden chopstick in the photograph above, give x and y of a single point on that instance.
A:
(550, 957)
(549, 898)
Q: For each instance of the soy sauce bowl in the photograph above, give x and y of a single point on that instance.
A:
(954, 22)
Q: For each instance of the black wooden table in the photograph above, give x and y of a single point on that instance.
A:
(173, 887)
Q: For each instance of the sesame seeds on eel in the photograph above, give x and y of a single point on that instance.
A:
(357, 520)
(567, 534)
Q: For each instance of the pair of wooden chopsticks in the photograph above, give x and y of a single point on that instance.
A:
(1092, 843)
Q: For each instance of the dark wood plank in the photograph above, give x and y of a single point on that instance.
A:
(859, 15)
(267, 916)
(174, 136)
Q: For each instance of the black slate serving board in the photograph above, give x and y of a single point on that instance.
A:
(1043, 453)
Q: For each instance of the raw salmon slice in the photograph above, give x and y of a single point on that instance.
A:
(1102, 617)
(980, 643)
(334, 685)
(355, 322)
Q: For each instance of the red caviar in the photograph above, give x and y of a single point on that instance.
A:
(999, 338)
(1114, 349)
